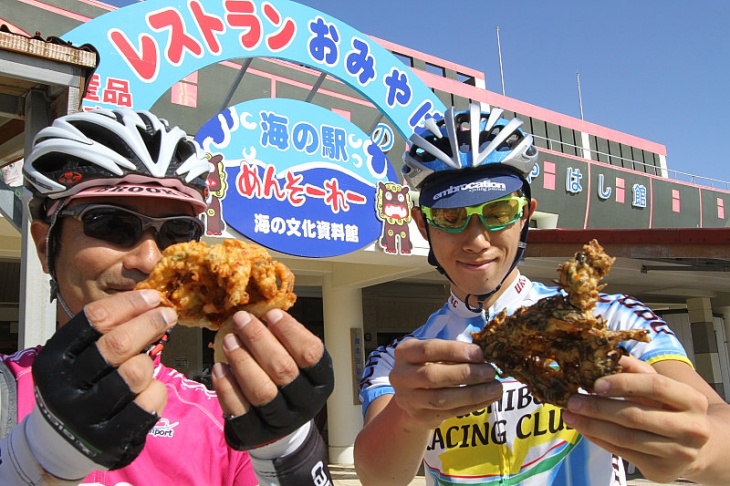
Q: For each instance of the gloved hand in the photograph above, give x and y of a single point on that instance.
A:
(84, 398)
(295, 405)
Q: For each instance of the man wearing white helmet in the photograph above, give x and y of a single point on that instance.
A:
(430, 399)
(110, 191)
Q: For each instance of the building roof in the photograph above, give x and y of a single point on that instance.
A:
(32, 62)
(670, 249)
(52, 48)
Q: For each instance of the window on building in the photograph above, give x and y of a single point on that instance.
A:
(601, 149)
(185, 92)
(637, 155)
(676, 201)
(567, 136)
(463, 78)
(407, 60)
(628, 160)
(434, 69)
(553, 135)
(539, 131)
(461, 103)
(614, 155)
(652, 159)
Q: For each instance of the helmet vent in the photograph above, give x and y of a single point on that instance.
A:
(58, 163)
(153, 142)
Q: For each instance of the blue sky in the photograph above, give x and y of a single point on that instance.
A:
(659, 70)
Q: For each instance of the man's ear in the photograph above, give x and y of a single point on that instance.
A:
(529, 211)
(39, 231)
(417, 216)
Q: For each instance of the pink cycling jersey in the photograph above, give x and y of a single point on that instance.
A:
(186, 446)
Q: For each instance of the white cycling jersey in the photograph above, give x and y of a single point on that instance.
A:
(518, 440)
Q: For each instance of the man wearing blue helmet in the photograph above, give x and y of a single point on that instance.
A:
(429, 398)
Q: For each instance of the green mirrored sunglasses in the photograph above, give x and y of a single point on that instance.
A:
(495, 215)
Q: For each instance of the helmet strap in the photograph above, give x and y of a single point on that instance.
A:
(482, 298)
(55, 293)
(51, 247)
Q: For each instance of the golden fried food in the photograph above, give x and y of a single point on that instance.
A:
(557, 346)
(207, 284)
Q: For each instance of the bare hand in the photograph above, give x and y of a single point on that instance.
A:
(659, 424)
(437, 379)
(261, 358)
(130, 322)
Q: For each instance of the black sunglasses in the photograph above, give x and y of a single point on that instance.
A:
(124, 227)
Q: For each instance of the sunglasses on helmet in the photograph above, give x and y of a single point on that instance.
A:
(124, 227)
(495, 215)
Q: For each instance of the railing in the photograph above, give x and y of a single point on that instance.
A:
(632, 164)
(700, 180)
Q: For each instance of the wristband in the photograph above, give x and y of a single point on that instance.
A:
(54, 454)
(284, 446)
(24, 452)
(303, 463)
(294, 405)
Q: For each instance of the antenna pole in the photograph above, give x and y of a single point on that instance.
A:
(499, 51)
(580, 97)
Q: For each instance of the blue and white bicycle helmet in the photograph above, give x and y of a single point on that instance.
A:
(467, 158)
(454, 144)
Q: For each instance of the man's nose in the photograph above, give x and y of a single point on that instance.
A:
(145, 254)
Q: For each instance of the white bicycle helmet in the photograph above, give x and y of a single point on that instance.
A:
(468, 139)
(106, 148)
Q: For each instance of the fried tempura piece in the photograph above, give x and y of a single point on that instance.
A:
(208, 284)
(557, 346)
(580, 275)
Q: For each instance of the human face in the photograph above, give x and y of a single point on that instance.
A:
(88, 269)
(476, 260)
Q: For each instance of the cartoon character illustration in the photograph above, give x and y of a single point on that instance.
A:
(214, 224)
(393, 208)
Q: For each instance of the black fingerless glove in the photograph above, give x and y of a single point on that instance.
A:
(86, 400)
(295, 405)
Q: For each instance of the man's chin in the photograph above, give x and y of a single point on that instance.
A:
(475, 292)
(483, 286)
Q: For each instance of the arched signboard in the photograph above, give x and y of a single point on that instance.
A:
(147, 47)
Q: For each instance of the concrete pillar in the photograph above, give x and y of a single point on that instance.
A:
(37, 314)
(725, 311)
(707, 359)
(342, 307)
